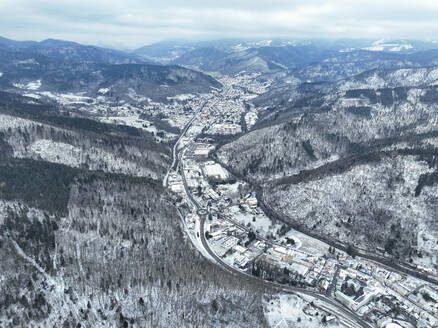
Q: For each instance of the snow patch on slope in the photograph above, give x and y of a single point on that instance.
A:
(103, 90)
(34, 85)
(16, 207)
(94, 158)
(12, 122)
(57, 152)
(32, 95)
(67, 98)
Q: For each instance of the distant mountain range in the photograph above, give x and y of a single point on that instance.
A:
(306, 60)
(68, 67)
(342, 145)
(69, 51)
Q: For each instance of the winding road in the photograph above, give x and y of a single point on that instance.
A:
(333, 306)
(385, 262)
(330, 305)
(175, 146)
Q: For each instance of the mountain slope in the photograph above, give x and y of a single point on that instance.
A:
(69, 51)
(89, 237)
(27, 72)
(284, 99)
(228, 62)
(37, 132)
(340, 163)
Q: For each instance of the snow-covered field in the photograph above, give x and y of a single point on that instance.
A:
(32, 95)
(289, 310)
(260, 223)
(57, 152)
(136, 122)
(182, 97)
(67, 98)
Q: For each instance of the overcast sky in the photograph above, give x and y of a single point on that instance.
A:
(133, 23)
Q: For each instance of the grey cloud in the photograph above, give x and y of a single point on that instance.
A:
(132, 23)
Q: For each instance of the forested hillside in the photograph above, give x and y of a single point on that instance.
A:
(89, 237)
(339, 163)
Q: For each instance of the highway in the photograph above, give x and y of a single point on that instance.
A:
(385, 262)
(328, 302)
(346, 314)
(175, 146)
(332, 306)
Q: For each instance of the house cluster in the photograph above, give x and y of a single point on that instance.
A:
(231, 243)
(414, 299)
(307, 266)
(355, 290)
(193, 175)
(238, 231)
(251, 201)
(215, 171)
(198, 150)
(191, 220)
(224, 128)
(175, 183)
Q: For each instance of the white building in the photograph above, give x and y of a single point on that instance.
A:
(240, 249)
(252, 201)
(214, 170)
(241, 261)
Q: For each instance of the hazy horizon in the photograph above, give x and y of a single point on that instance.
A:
(236, 39)
(136, 23)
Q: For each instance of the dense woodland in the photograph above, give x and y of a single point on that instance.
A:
(97, 243)
(369, 159)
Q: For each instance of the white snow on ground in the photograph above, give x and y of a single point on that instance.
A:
(196, 241)
(18, 85)
(194, 130)
(136, 97)
(16, 208)
(32, 95)
(288, 310)
(136, 122)
(251, 118)
(230, 189)
(12, 122)
(262, 224)
(132, 120)
(380, 45)
(292, 234)
(67, 98)
(58, 152)
(21, 253)
(34, 85)
(182, 97)
(103, 90)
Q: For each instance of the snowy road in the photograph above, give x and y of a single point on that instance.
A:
(344, 314)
